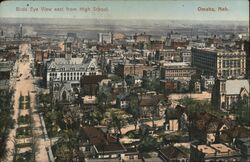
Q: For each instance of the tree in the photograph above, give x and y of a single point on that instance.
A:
(242, 110)
(117, 122)
(134, 109)
(104, 97)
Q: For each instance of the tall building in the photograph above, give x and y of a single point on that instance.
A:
(219, 62)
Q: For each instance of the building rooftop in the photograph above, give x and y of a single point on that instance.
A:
(103, 142)
(206, 149)
(172, 152)
(219, 50)
(222, 148)
(176, 64)
(216, 149)
(153, 159)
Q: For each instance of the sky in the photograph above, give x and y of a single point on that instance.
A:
(128, 9)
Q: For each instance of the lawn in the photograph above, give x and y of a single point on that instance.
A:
(23, 132)
(24, 119)
(25, 157)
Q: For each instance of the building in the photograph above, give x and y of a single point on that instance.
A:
(89, 84)
(173, 154)
(177, 70)
(205, 128)
(101, 145)
(118, 36)
(105, 38)
(207, 83)
(168, 55)
(247, 49)
(142, 38)
(186, 56)
(227, 92)
(61, 69)
(153, 72)
(124, 69)
(214, 152)
(219, 62)
(5, 76)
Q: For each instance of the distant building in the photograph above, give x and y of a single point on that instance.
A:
(207, 83)
(105, 38)
(220, 63)
(142, 38)
(177, 70)
(179, 43)
(227, 92)
(118, 36)
(152, 73)
(168, 55)
(214, 152)
(124, 69)
(186, 56)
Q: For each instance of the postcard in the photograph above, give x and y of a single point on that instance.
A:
(124, 80)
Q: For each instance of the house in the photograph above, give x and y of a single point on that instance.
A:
(172, 118)
(173, 154)
(122, 101)
(231, 134)
(132, 154)
(205, 127)
(149, 104)
(101, 145)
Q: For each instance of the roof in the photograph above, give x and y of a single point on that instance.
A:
(235, 86)
(102, 141)
(153, 159)
(79, 64)
(172, 153)
(150, 100)
(102, 160)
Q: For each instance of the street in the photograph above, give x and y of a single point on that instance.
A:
(24, 86)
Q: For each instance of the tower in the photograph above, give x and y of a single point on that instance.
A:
(68, 50)
(21, 30)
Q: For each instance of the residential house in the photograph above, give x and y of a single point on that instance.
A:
(101, 145)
